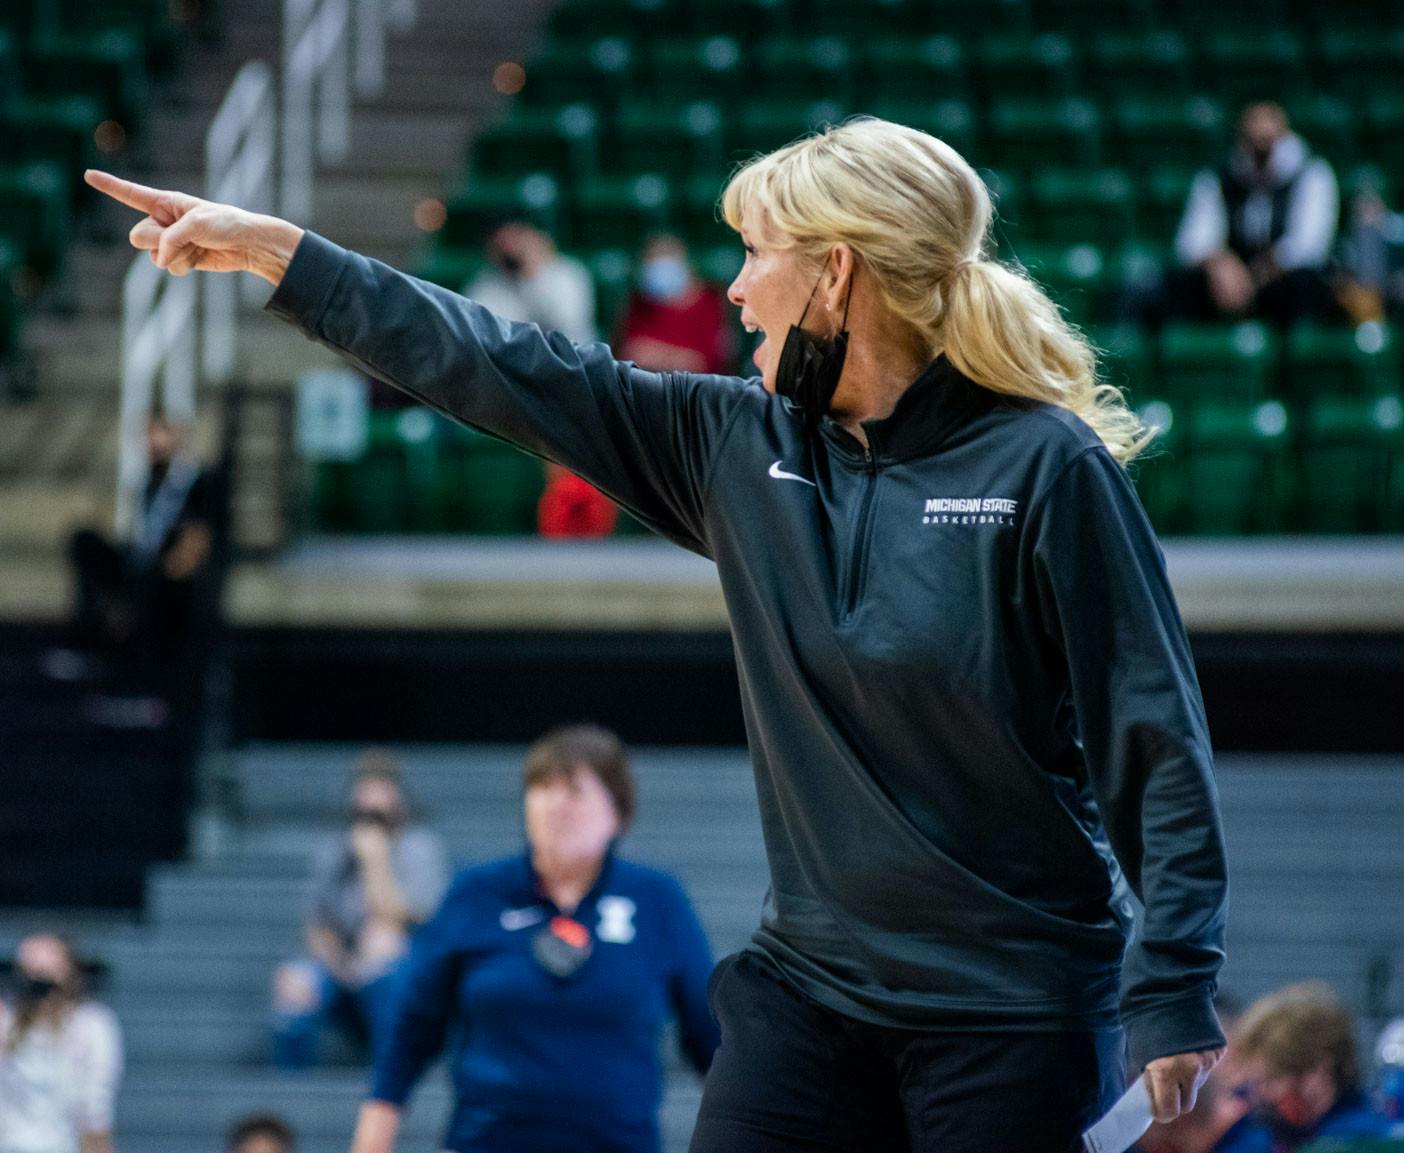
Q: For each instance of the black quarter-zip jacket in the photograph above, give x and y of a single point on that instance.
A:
(969, 697)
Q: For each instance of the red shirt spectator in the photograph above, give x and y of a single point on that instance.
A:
(674, 321)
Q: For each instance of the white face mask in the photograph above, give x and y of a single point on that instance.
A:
(664, 278)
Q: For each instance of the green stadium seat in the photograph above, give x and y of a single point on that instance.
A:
(1159, 472)
(1151, 132)
(1384, 116)
(697, 211)
(914, 70)
(1197, 16)
(1034, 67)
(619, 211)
(1011, 221)
(765, 126)
(1341, 362)
(579, 20)
(1139, 264)
(950, 120)
(1360, 62)
(1085, 17)
(804, 69)
(1071, 206)
(966, 20)
(1350, 446)
(1076, 277)
(489, 201)
(11, 73)
(1267, 63)
(671, 140)
(682, 70)
(1124, 358)
(107, 67)
(748, 20)
(1330, 127)
(154, 23)
(57, 130)
(1358, 15)
(491, 487)
(561, 141)
(1026, 132)
(721, 263)
(23, 19)
(563, 72)
(1121, 64)
(858, 22)
(1237, 471)
(35, 215)
(1160, 203)
(1202, 364)
(612, 270)
(11, 310)
(450, 267)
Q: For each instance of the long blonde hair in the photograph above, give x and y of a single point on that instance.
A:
(917, 217)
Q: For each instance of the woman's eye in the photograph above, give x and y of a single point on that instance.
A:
(750, 249)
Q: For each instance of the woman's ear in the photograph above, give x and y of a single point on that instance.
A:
(838, 280)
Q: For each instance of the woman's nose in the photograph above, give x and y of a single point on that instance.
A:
(734, 292)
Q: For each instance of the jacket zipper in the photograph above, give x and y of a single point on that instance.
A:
(860, 540)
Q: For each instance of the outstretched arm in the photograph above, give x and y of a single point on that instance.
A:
(649, 440)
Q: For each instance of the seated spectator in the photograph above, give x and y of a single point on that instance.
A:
(1256, 234)
(556, 970)
(528, 280)
(1374, 256)
(261, 1133)
(371, 885)
(60, 1056)
(571, 507)
(674, 322)
(142, 598)
(1297, 1049)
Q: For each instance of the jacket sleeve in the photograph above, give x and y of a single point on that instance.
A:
(424, 1007)
(645, 439)
(699, 1034)
(1106, 602)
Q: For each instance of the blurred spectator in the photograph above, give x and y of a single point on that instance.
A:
(556, 969)
(674, 322)
(571, 507)
(261, 1133)
(1389, 1056)
(144, 597)
(1374, 257)
(530, 281)
(1256, 234)
(1297, 1050)
(371, 885)
(60, 1056)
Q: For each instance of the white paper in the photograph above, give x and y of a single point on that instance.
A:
(1123, 1126)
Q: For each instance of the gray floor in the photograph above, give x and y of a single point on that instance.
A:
(1316, 852)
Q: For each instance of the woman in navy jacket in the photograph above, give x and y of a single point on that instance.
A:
(969, 697)
(554, 971)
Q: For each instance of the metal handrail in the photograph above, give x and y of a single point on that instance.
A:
(240, 153)
(316, 96)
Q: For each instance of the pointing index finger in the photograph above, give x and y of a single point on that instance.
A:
(137, 196)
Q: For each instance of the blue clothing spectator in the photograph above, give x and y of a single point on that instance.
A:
(540, 1054)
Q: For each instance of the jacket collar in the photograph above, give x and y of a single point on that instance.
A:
(938, 402)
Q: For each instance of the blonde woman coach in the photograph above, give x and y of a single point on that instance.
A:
(970, 701)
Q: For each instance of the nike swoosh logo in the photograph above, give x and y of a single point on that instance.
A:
(520, 918)
(780, 474)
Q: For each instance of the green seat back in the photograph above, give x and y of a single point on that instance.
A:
(1090, 206)
(914, 70)
(1217, 364)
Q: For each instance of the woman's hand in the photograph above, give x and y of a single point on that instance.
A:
(186, 234)
(1174, 1081)
(376, 1128)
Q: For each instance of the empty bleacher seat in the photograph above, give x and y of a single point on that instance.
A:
(619, 211)
(1070, 206)
(1030, 131)
(562, 141)
(1217, 363)
(1350, 444)
(913, 70)
(1121, 64)
(675, 141)
(1237, 472)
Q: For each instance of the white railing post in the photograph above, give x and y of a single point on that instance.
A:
(158, 341)
(370, 47)
(316, 96)
(239, 169)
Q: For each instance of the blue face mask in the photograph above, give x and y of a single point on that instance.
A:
(664, 278)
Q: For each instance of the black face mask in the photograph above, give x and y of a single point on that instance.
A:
(32, 989)
(810, 366)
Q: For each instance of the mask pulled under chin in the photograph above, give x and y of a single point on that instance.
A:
(809, 370)
(810, 366)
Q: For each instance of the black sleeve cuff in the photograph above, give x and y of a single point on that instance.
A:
(303, 294)
(1186, 1025)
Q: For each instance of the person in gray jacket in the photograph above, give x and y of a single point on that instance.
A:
(970, 700)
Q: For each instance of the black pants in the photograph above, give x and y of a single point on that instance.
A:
(1183, 294)
(791, 1075)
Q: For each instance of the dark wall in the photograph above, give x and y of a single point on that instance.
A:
(1269, 692)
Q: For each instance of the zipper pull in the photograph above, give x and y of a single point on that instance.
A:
(868, 456)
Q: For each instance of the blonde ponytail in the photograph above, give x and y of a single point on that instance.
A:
(918, 216)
